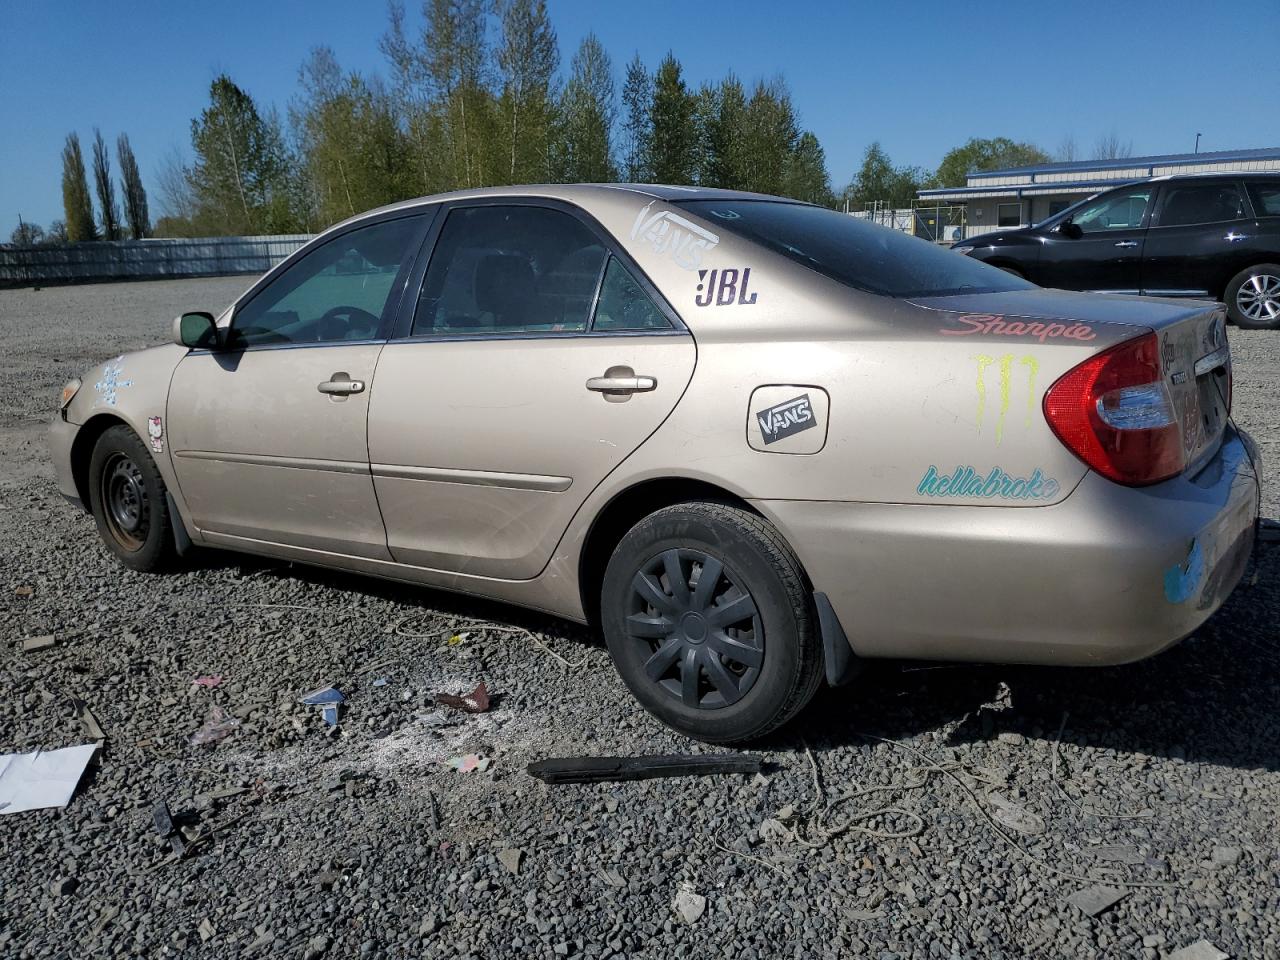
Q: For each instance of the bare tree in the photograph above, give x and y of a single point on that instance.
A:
(177, 201)
(1111, 147)
(105, 189)
(1067, 149)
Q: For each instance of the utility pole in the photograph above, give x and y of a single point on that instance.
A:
(1197, 143)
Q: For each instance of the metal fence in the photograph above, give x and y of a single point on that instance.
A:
(144, 259)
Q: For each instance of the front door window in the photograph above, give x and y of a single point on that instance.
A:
(1123, 210)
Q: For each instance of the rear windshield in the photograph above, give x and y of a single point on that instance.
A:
(862, 255)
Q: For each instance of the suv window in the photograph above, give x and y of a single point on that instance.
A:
(859, 254)
(1200, 203)
(342, 290)
(1265, 197)
(1122, 210)
(510, 269)
(623, 305)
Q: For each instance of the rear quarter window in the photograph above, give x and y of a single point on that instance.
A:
(1266, 198)
(861, 255)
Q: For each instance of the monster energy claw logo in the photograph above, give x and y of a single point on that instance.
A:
(1006, 388)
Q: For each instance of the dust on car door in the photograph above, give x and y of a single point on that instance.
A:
(537, 360)
(268, 431)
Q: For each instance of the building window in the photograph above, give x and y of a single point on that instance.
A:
(1057, 206)
(1009, 215)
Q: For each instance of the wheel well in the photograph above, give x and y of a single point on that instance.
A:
(622, 513)
(82, 450)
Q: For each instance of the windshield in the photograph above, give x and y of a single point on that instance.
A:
(861, 255)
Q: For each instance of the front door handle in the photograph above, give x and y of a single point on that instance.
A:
(618, 383)
(1232, 237)
(1127, 243)
(340, 385)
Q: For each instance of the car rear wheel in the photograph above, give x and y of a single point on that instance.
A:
(1253, 297)
(709, 620)
(127, 497)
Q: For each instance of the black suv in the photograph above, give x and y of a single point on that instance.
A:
(1215, 235)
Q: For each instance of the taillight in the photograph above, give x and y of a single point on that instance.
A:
(1115, 413)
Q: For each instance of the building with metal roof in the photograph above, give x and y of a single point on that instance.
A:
(1020, 196)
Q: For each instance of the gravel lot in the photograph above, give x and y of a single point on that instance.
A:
(1000, 783)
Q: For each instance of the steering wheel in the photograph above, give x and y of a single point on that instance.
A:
(330, 326)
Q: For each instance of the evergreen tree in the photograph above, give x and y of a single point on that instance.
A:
(727, 140)
(879, 181)
(637, 124)
(807, 173)
(587, 112)
(135, 197)
(528, 60)
(107, 209)
(673, 136)
(77, 207)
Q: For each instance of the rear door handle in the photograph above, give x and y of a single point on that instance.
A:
(1127, 243)
(340, 385)
(618, 383)
(1232, 237)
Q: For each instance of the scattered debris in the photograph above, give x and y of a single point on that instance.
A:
(87, 720)
(1117, 853)
(206, 930)
(613, 878)
(469, 762)
(24, 591)
(1200, 950)
(329, 713)
(212, 680)
(32, 781)
(325, 695)
(38, 643)
(164, 827)
(1095, 900)
(1015, 817)
(1011, 738)
(216, 726)
(380, 682)
(64, 886)
(598, 769)
(477, 701)
(1225, 856)
(691, 906)
(457, 638)
(510, 858)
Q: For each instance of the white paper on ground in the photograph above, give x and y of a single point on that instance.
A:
(48, 778)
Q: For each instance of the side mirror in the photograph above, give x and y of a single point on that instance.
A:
(195, 331)
(1070, 230)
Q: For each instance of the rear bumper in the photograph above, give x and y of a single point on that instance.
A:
(1109, 575)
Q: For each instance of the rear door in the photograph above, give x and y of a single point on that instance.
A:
(268, 433)
(538, 358)
(1198, 231)
(1107, 255)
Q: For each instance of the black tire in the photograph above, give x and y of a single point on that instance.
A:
(775, 631)
(127, 497)
(1253, 297)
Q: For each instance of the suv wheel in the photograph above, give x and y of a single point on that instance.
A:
(709, 620)
(1253, 297)
(127, 496)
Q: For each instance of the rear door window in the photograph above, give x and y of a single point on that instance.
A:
(861, 255)
(1266, 198)
(1185, 204)
(514, 269)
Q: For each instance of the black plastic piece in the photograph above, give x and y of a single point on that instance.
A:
(181, 540)
(842, 665)
(602, 769)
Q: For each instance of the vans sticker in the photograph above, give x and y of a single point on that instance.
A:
(669, 233)
(724, 287)
(786, 419)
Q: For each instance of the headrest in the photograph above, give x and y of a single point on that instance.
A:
(504, 284)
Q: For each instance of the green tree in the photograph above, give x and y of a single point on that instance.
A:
(771, 134)
(528, 59)
(993, 154)
(239, 177)
(135, 196)
(807, 177)
(728, 161)
(77, 207)
(637, 123)
(107, 209)
(673, 135)
(879, 181)
(587, 110)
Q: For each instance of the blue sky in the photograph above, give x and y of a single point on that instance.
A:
(918, 77)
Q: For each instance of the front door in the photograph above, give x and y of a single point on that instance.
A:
(1107, 253)
(538, 360)
(1197, 230)
(268, 433)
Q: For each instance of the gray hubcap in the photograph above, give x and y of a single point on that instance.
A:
(1259, 298)
(700, 630)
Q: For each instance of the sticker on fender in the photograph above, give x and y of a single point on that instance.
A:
(786, 419)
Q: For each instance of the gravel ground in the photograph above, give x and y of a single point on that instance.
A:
(997, 786)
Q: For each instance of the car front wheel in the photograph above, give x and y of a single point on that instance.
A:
(1253, 297)
(127, 496)
(709, 620)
